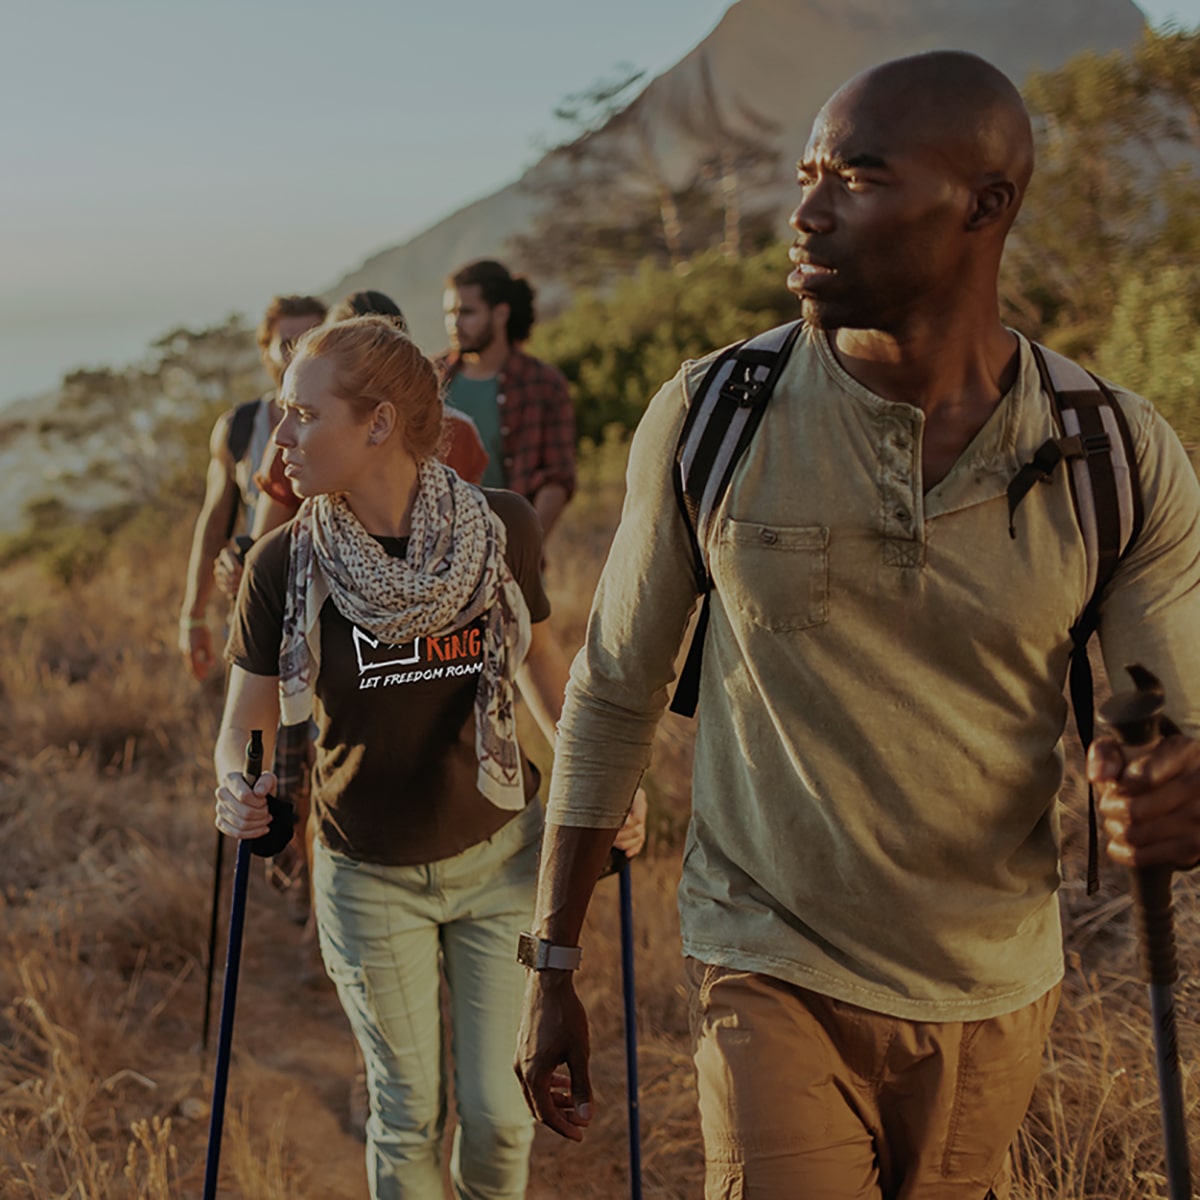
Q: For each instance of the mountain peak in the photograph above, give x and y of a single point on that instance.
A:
(779, 58)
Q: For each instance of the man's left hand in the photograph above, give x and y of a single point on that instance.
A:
(1150, 808)
(631, 837)
(227, 571)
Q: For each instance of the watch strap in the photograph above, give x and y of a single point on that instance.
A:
(538, 954)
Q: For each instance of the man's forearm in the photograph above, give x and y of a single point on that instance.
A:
(549, 502)
(572, 859)
(206, 545)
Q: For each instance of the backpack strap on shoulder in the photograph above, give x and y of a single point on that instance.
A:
(721, 421)
(1108, 505)
(237, 441)
(241, 429)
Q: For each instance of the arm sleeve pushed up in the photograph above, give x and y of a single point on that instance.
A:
(620, 678)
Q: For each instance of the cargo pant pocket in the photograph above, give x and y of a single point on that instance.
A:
(722, 1182)
(998, 1067)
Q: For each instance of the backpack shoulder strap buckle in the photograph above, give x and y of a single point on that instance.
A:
(1094, 443)
(722, 418)
(743, 392)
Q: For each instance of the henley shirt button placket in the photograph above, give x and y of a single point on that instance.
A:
(900, 501)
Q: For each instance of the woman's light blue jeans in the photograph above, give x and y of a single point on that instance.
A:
(384, 931)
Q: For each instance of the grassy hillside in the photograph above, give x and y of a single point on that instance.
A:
(106, 838)
(105, 857)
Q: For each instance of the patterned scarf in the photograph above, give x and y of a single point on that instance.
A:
(454, 572)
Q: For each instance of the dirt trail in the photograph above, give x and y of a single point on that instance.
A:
(293, 1054)
(294, 1059)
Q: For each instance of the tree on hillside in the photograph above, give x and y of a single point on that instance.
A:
(1153, 346)
(1115, 191)
(741, 157)
(604, 201)
(608, 202)
(1169, 63)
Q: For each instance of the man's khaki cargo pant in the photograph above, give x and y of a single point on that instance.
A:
(807, 1098)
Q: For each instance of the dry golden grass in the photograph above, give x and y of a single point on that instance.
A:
(105, 875)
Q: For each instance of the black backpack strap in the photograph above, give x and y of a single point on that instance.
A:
(689, 499)
(241, 429)
(720, 424)
(237, 441)
(1108, 505)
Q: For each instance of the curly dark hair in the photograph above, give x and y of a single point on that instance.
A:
(498, 286)
(367, 303)
(286, 306)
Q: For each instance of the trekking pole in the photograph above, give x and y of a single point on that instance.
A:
(242, 543)
(268, 844)
(619, 863)
(1136, 718)
(214, 911)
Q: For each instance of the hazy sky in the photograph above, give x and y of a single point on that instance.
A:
(171, 160)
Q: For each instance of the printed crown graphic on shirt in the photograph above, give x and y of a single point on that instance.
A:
(375, 656)
(466, 645)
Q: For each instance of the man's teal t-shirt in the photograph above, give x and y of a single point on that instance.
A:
(477, 398)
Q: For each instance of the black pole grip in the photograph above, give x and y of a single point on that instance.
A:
(254, 757)
(283, 826)
(1137, 718)
(283, 814)
(1151, 888)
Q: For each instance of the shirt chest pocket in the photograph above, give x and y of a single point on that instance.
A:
(773, 576)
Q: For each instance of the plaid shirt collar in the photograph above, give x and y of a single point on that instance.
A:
(515, 366)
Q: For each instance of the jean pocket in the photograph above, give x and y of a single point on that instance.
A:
(342, 973)
(774, 576)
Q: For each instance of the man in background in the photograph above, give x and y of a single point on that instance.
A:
(239, 439)
(519, 404)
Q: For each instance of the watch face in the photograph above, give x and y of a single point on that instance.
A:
(527, 948)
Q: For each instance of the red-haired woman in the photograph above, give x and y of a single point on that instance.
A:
(397, 608)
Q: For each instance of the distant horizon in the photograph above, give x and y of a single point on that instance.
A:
(142, 198)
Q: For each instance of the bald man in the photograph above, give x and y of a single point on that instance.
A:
(868, 896)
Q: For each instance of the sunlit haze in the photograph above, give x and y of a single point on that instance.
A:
(170, 162)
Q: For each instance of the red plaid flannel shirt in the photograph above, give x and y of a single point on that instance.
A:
(537, 422)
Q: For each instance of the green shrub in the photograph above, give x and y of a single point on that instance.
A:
(616, 347)
(1153, 344)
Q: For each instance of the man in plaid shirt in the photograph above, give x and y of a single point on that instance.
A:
(519, 404)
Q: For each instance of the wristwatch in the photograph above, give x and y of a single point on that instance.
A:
(540, 955)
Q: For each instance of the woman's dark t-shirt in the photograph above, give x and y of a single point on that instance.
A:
(396, 768)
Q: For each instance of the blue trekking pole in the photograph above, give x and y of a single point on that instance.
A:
(214, 916)
(282, 822)
(620, 864)
(242, 542)
(1137, 719)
